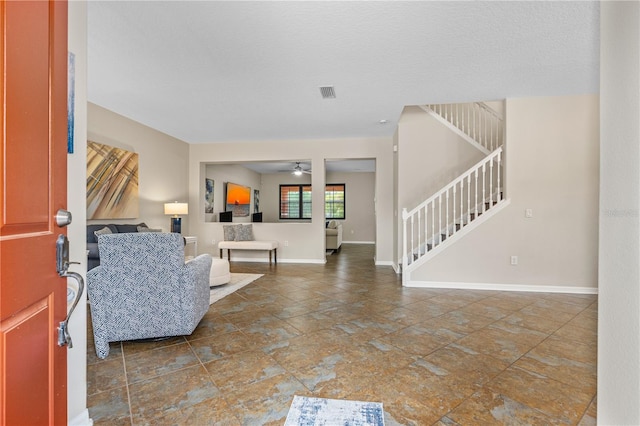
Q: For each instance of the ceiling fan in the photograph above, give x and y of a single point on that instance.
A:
(298, 170)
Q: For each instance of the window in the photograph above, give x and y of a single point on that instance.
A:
(295, 201)
(334, 205)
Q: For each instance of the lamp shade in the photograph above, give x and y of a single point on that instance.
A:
(176, 208)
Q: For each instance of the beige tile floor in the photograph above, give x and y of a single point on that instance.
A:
(349, 330)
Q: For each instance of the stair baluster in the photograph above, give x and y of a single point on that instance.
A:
(426, 230)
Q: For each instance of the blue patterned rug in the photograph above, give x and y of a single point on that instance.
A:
(306, 411)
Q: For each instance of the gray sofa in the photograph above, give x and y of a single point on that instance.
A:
(92, 241)
(144, 289)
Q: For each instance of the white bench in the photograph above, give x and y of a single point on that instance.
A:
(270, 246)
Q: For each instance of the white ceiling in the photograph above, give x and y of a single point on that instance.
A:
(218, 71)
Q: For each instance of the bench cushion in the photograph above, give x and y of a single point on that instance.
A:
(248, 245)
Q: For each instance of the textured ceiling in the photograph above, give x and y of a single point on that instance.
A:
(212, 71)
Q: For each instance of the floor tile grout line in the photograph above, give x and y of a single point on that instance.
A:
(126, 380)
(212, 379)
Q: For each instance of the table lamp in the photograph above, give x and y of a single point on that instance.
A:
(176, 209)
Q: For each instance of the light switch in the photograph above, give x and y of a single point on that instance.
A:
(528, 213)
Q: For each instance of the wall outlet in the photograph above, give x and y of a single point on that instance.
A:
(286, 243)
(213, 242)
(514, 260)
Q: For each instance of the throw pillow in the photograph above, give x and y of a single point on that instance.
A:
(332, 225)
(244, 233)
(145, 229)
(229, 232)
(102, 231)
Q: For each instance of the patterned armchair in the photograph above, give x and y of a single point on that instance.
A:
(143, 288)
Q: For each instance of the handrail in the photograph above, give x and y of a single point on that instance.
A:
(478, 123)
(464, 175)
(490, 110)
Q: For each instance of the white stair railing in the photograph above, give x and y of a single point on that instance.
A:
(481, 124)
(452, 208)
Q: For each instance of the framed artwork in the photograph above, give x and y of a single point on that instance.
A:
(112, 182)
(256, 200)
(208, 195)
(238, 199)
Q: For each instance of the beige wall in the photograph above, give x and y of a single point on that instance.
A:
(305, 241)
(619, 262)
(429, 157)
(359, 225)
(552, 156)
(163, 164)
(269, 195)
(221, 174)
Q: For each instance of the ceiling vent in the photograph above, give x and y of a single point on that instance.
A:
(327, 92)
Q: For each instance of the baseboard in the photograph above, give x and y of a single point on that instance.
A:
(358, 242)
(266, 260)
(81, 419)
(320, 261)
(503, 287)
(384, 263)
(396, 267)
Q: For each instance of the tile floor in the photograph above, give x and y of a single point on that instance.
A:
(349, 330)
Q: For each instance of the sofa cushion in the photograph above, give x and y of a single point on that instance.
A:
(146, 229)
(102, 231)
(129, 228)
(92, 248)
(244, 233)
(91, 229)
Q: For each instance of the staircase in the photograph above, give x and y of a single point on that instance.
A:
(469, 199)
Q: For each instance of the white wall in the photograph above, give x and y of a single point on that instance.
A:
(552, 155)
(163, 164)
(619, 263)
(76, 204)
(306, 240)
(359, 225)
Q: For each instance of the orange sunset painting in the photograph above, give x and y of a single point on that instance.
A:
(238, 199)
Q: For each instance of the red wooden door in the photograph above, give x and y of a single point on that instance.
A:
(33, 60)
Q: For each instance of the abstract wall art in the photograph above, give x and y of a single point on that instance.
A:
(208, 195)
(112, 182)
(256, 201)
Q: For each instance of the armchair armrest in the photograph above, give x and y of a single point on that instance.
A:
(196, 273)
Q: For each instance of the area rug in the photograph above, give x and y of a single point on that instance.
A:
(307, 411)
(237, 282)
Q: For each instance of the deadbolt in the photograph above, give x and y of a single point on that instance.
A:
(63, 218)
